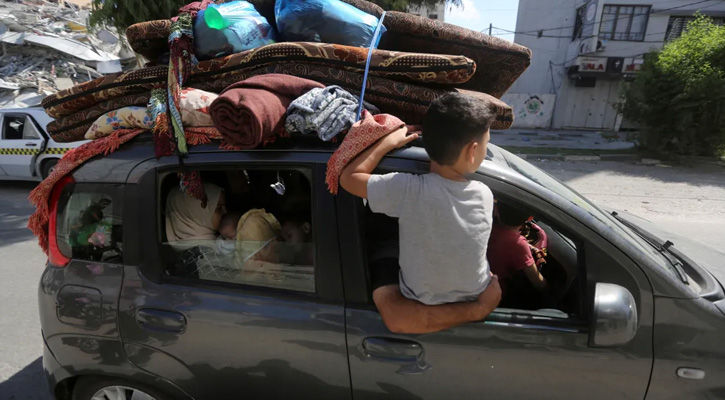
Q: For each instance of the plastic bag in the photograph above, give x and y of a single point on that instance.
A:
(229, 28)
(328, 21)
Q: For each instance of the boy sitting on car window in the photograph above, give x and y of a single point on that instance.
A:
(444, 218)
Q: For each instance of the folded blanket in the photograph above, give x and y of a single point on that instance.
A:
(326, 112)
(362, 135)
(251, 112)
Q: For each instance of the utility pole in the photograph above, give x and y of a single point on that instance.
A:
(490, 28)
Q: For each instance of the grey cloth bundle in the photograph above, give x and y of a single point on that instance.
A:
(327, 111)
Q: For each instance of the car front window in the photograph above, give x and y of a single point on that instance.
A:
(542, 178)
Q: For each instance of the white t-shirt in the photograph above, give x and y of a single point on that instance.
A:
(444, 231)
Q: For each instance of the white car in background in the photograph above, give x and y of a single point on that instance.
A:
(26, 150)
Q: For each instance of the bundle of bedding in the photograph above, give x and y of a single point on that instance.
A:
(404, 75)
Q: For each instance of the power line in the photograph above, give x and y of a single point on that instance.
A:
(508, 32)
(610, 20)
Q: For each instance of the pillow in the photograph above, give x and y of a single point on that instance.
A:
(124, 118)
(194, 107)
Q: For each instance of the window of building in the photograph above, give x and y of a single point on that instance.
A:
(677, 26)
(90, 223)
(624, 22)
(433, 16)
(257, 229)
(13, 127)
(578, 23)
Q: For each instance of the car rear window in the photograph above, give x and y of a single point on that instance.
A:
(89, 222)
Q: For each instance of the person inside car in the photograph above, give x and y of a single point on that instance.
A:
(192, 229)
(297, 234)
(508, 251)
(444, 218)
(228, 233)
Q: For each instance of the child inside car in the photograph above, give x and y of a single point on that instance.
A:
(509, 254)
(444, 218)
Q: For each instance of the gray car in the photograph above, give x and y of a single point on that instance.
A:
(636, 313)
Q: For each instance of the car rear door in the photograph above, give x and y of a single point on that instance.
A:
(220, 338)
(20, 143)
(513, 354)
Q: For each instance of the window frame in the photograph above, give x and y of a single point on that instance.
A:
(328, 280)
(305, 170)
(618, 7)
(356, 275)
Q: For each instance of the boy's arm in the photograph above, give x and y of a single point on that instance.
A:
(355, 175)
(403, 315)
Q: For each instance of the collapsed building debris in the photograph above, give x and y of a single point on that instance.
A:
(47, 46)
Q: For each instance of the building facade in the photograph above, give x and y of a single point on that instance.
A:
(438, 12)
(585, 50)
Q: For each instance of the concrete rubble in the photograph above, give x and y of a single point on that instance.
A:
(47, 46)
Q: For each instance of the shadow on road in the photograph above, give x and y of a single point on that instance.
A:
(27, 384)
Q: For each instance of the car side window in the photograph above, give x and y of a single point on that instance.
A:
(530, 242)
(90, 221)
(13, 127)
(30, 131)
(256, 229)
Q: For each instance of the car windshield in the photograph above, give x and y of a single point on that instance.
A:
(542, 178)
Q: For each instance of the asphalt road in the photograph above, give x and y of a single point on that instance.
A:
(690, 200)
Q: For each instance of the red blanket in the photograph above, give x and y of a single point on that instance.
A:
(251, 112)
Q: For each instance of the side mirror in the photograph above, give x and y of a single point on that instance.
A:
(615, 316)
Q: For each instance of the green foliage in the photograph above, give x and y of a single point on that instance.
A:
(124, 13)
(679, 96)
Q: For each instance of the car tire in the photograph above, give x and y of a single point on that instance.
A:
(101, 388)
(48, 167)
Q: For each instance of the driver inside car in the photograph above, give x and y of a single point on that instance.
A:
(508, 251)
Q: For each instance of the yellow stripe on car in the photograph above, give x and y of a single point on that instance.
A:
(32, 152)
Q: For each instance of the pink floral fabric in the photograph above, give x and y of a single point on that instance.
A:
(361, 136)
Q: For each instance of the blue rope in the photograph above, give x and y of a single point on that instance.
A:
(373, 45)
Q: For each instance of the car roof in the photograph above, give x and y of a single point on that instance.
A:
(116, 167)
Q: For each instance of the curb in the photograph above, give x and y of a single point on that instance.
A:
(574, 157)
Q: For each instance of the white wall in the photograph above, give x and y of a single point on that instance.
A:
(531, 110)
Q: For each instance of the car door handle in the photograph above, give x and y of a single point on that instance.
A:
(406, 353)
(161, 320)
(31, 145)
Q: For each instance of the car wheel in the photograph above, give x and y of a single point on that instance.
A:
(88, 388)
(49, 167)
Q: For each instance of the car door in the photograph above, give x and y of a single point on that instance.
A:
(220, 337)
(20, 143)
(513, 354)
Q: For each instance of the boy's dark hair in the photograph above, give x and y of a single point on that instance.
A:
(451, 122)
(511, 216)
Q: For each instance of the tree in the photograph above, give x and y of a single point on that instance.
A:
(124, 13)
(678, 97)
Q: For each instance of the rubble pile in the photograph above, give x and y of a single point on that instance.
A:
(47, 46)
